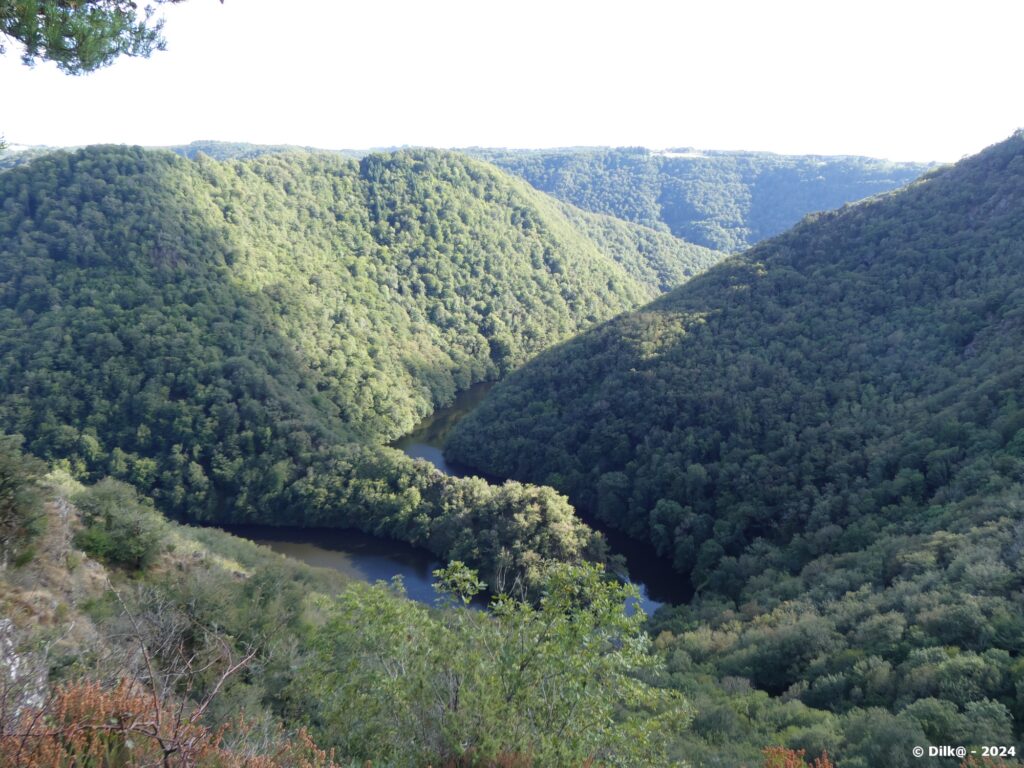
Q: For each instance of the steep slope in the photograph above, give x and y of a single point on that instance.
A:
(230, 337)
(798, 398)
(127, 641)
(825, 436)
(724, 200)
(649, 256)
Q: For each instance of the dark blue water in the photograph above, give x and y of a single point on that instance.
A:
(426, 441)
(356, 554)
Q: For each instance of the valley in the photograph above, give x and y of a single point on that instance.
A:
(723, 200)
(405, 385)
(657, 582)
(412, 363)
(357, 555)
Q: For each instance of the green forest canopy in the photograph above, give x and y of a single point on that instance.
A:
(895, 623)
(724, 200)
(238, 339)
(825, 435)
(863, 364)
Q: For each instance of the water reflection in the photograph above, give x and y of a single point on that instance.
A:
(427, 438)
(355, 554)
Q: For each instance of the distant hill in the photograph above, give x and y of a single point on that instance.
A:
(238, 339)
(724, 200)
(721, 200)
(12, 156)
(240, 150)
(215, 150)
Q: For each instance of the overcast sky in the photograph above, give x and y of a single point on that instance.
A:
(899, 79)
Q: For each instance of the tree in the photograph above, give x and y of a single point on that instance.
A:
(81, 35)
(20, 508)
(559, 681)
(119, 527)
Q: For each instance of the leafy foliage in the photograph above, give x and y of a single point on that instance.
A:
(230, 338)
(20, 503)
(823, 434)
(555, 681)
(119, 527)
(724, 200)
(780, 757)
(82, 35)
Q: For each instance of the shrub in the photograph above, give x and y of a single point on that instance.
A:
(780, 757)
(85, 723)
(21, 517)
(120, 528)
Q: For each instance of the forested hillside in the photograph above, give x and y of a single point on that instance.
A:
(862, 365)
(724, 200)
(240, 150)
(721, 200)
(236, 339)
(825, 435)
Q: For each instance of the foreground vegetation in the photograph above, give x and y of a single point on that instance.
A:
(228, 655)
(192, 648)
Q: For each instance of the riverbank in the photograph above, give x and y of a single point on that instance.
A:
(371, 558)
(657, 582)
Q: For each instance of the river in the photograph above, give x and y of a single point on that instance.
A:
(657, 582)
(426, 441)
(356, 554)
(369, 558)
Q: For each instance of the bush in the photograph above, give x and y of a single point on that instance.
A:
(21, 517)
(84, 723)
(120, 528)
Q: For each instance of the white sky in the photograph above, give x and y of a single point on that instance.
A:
(901, 79)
